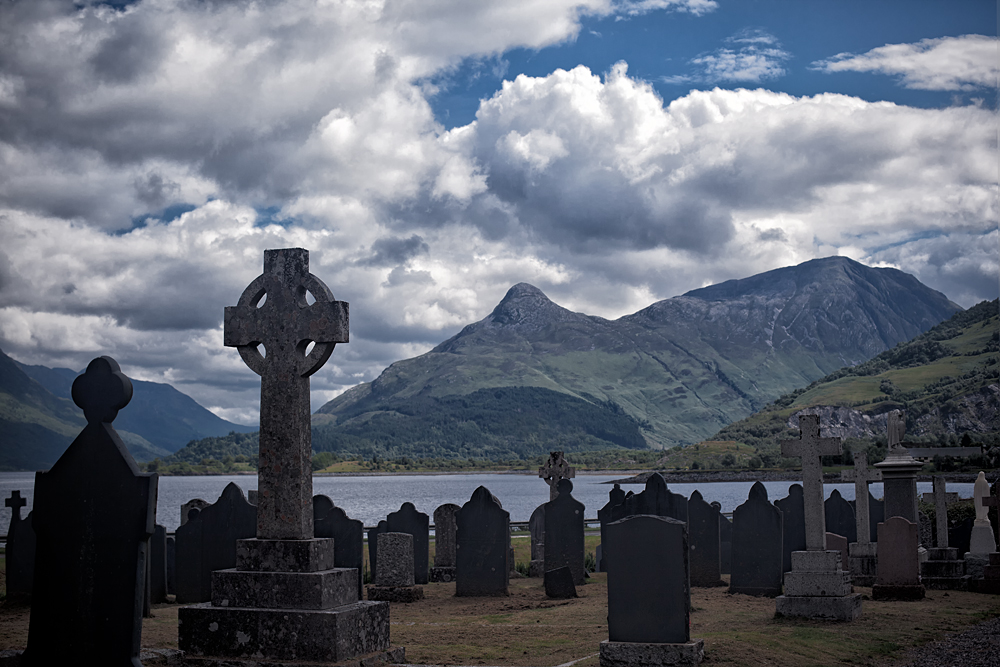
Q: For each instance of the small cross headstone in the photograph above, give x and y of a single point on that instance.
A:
(564, 533)
(348, 535)
(20, 548)
(810, 447)
(757, 533)
(408, 520)
(793, 521)
(482, 547)
(93, 516)
(703, 533)
(555, 469)
(839, 516)
(286, 325)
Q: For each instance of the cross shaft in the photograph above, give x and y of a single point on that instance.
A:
(810, 448)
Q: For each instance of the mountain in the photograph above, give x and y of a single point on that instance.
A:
(946, 379)
(38, 418)
(680, 369)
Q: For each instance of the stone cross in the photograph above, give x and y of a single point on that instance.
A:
(15, 503)
(555, 469)
(941, 511)
(862, 476)
(810, 447)
(286, 325)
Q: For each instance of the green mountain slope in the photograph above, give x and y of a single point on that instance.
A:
(682, 368)
(947, 380)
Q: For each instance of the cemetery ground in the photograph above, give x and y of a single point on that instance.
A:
(528, 629)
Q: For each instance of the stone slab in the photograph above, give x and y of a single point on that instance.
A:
(844, 608)
(818, 584)
(393, 656)
(975, 565)
(559, 583)
(442, 574)
(282, 634)
(395, 593)
(285, 590)
(864, 569)
(395, 560)
(312, 555)
(636, 654)
(815, 561)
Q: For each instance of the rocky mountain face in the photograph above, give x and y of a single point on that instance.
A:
(683, 367)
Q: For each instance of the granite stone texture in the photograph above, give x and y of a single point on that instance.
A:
(442, 574)
(793, 523)
(404, 594)
(395, 655)
(395, 562)
(312, 555)
(373, 534)
(843, 608)
(408, 520)
(285, 590)
(811, 447)
(638, 654)
(863, 562)
(444, 535)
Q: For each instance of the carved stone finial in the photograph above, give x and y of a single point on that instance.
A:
(102, 391)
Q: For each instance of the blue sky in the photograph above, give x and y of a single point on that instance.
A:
(432, 153)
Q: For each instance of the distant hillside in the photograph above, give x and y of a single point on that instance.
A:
(681, 369)
(38, 419)
(947, 380)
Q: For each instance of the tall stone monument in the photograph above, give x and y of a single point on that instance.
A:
(285, 600)
(943, 569)
(93, 516)
(445, 529)
(817, 586)
(555, 469)
(862, 554)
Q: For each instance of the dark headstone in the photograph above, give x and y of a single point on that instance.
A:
(408, 520)
(559, 582)
(649, 598)
(840, 517)
(925, 529)
(656, 500)
(960, 535)
(20, 548)
(93, 516)
(536, 528)
(793, 515)
(190, 509)
(348, 535)
(373, 534)
(482, 546)
(835, 542)
(898, 562)
(703, 527)
(606, 515)
(725, 540)
(444, 542)
(599, 559)
(564, 533)
(757, 546)
(208, 542)
(171, 564)
(158, 565)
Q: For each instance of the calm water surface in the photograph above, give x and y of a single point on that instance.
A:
(371, 497)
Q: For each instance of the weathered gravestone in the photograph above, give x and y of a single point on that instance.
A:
(757, 534)
(373, 534)
(725, 540)
(981, 543)
(536, 528)
(394, 578)
(190, 509)
(649, 596)
(285, 600)
(817, 586)
(559, 583)
(207, 543)
(898, 562)
(840, 518)
(93, 516)
(703, 534)
(606, 515)
(158, 565)
(408, 520)
(943, 569)
(482, 547)
(838, 543)
(899, 471)
(555, 469)
(867, 514)
(444, 542)
(655, 499)
(20, 548)
(348, 535)
(564, 533)
(793, 521)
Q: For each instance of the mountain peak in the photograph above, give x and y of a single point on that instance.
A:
(525, 304)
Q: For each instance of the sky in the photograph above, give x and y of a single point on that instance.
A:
(430, 154)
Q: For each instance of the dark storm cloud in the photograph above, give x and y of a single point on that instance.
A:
(393, 250)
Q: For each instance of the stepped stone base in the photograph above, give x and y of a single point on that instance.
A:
(944, 570)
(898, 592)
(843, 608)
(945, 583)
(636, 654)
(975, 565)
(327, 635)
(395, 593)
(392, 656)
(442, 574)
(285, 590)
(817, 588)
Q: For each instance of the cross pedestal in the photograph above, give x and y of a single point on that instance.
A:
(817, 586)
(862, 557)
(285, 601)
(555, 469)
(943, 569)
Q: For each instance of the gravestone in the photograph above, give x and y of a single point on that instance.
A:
(285, 600)
(867, 515)
(839, 516)
(757, 534)
(599, 559)
(943, 569)
(348, 536)
(564, 533)
(649, 596)
(93, 516)
(394, 578)
(703, 535)
(793, 517)
(408, 520)
(171, 564)
(536, 528)
(555, 469)
(20, 548)
(899, 471)
(655, 499)
(606, 515)
(559, 583)
(990, 583)
(898, 561)
(444, 542)
(373, 534)
(158, 565)
(207, 543)
(960, 535)
(725, 540)
(981, 543)
(838, 543)
(190, 509)
(482, 547)
(817, 586)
